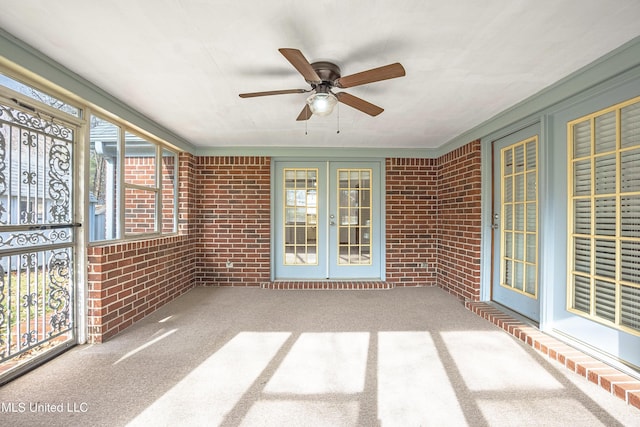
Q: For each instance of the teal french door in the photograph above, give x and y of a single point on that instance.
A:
(327, 220)
(515, 222)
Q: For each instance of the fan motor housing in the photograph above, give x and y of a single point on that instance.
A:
(327, 71)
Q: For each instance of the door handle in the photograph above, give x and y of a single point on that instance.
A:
(332, 222)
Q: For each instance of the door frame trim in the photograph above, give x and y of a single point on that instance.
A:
(516, 299)
(487, 238)
(383, 216)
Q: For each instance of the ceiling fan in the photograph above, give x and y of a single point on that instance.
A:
(323, 76)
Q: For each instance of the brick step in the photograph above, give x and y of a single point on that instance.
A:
(326, 285)
(610, 379)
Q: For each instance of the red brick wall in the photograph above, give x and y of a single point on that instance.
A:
(432, 217)
(411, 221)
(232, 216)
(128, 281)
(459, 190)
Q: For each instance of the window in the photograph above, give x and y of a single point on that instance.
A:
(604, 216)
(104, 191)
(40, 96)
(140, 185)
(169, 185)
(519, 249)
(133, 188)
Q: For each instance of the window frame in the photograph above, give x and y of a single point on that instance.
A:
(593, 236)
(159, 148)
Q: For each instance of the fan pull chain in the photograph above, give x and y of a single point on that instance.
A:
(338, 117)
(305, 123)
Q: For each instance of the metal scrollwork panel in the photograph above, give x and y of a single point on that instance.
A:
(36, 188)
(3, 177)
(13, 240)
(36, 235)
(60, 183)
(36, 122)
(36, 300)
(59, 292)
(3, 313)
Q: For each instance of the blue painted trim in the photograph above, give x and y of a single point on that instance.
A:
(486, 210)
(546, 176)
(324, 153)
(381, 204)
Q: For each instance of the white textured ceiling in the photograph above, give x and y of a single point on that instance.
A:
(184, 62)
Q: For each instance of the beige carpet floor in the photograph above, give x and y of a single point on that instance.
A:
(255, 357)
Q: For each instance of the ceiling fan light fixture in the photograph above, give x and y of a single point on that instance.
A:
(322, 104)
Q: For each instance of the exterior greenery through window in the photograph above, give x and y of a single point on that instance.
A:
(604, 216)
(132, 184)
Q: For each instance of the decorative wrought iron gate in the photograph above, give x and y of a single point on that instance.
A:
(36, 234)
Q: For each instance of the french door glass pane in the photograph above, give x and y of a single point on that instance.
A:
(519, 217)
(531, 248)
(300, 216)
(520, 192)
(519, 158)
(354, 216)
(508, 245)
(519, 247)
(531, 186)
(530, 283)
(532, 223)
(508, 217)
(507, 194)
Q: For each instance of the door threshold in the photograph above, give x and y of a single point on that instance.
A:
(327, 285)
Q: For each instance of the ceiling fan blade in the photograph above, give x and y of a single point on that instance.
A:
(272, 92)
(301, 64)
(359, 104)
(305, 114)
(390, 71)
